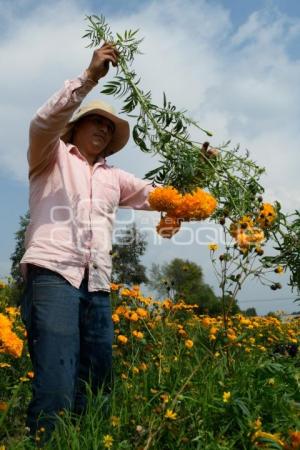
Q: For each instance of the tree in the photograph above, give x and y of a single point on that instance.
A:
(182, 279)
(250, 312)
(19, 251)
(127, 252)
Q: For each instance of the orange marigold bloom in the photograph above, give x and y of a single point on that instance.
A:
(189, 343)
(138, 334)
(142, 312)
(168, 226)
(164, 198)
(115, 287)
(267, 215)
(198, 205)
(10, 343)
(115, 318)
(122, 339)
(295, 440)
(3, 406)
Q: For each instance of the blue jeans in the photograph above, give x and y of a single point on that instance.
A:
(70, 333)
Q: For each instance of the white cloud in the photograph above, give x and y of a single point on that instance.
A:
(241, 83)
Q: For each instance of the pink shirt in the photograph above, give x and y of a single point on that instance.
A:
(72, 208)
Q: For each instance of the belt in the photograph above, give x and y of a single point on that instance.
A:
(33, 269)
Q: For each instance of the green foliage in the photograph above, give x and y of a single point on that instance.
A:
(287, 246)
(250, 312)
(127, 253)
(233, 179)
(19, 249)
(190, 382)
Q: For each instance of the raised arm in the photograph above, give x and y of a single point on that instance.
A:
(50, 120)
(134, 191)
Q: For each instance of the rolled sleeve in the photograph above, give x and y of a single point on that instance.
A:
(134, 191)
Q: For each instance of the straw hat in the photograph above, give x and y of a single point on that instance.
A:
(121, 133)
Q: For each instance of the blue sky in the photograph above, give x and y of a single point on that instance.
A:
(241, 58)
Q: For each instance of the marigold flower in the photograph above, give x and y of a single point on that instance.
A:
(295, 439)
(12, 311)
(198, 205)
(257, 424)
(267, 215)
(168, 226)
(170, 414)
(133, 317)
(115, 421)
(115, 287)
(138, 334)
(213, 247)
(122, 339)
(107, 441)
(213, 330)
(189, 343)
(226, 397)
(10, 343)
(115, 318)
(3, 406)
(142, 312)
(279, 269)
(3, 365)
(143, 366)
(165, 398)
(164, 199)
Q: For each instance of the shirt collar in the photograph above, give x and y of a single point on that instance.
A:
(73, 149)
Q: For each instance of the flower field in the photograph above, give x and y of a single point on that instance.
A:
(182, 380)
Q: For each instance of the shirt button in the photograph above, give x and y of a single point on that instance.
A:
(95, 266)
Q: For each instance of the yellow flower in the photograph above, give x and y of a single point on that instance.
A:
(23, 379)
(134, 317)
(3, 406)
(165, 398)
(273, 437)
(189, 343)
(142, 312)
(279, 269)
(12, 311)
(267, 215)
(226, 397)
(2, 365)
(138, 334)
(213, 247)
(107, 441)
(170, 414)
(143, 366)
(122, 339)
(2, 284)
(115, 318)
(257, 424)
(115, 421)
